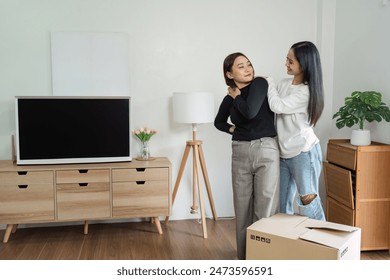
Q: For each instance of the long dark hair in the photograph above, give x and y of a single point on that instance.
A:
(309, 59)
(227, 67)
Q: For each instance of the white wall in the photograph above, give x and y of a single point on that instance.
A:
(174, 46)
(362, 45)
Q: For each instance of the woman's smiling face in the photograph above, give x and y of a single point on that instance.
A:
(242, 72)
(292, 64)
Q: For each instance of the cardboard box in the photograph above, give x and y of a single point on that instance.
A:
(294, 237)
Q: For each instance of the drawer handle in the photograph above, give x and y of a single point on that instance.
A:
(83, 184)
(140, 182)
(22, 186)
(140, 169)
(83, 170)
(22, 173)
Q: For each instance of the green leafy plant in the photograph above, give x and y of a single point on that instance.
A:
(361, 107)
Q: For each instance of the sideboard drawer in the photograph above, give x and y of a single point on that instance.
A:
(83, 176)
(342, 154)
(132, 199)
(26, 177)
(83, 201)
(339, 213)
(338, 182)
(139, 174)
(26, 202)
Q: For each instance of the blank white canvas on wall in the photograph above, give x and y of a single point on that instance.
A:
(90, 63)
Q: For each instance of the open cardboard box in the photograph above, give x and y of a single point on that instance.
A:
(294, 237)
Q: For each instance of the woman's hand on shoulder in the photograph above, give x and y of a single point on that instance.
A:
(233, 92)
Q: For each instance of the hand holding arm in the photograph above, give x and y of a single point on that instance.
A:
(233, 92)
(250, 107)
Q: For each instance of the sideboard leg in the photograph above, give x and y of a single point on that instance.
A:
(8, 231)
(14, 228)
(158, 224)
(85, 227)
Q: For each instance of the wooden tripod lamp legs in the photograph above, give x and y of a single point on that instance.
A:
(207, 182)
(198, 161)
(195, 179)
(202, 210)
(179, 175)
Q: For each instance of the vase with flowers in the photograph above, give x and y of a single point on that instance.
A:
(144, 134)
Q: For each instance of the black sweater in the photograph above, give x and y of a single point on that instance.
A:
(249, 112)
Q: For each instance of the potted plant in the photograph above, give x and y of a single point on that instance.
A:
(359, 108)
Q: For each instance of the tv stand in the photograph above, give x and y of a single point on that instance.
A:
(84, 192)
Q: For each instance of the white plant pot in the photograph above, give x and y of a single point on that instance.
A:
(360, 137)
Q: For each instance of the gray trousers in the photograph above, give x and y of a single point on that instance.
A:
(255, 178)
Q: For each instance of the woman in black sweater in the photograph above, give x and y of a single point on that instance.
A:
(255, 153)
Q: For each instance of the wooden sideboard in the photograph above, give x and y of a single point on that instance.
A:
(84, 192)
(357, 180)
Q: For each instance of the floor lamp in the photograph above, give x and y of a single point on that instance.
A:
(194, 108)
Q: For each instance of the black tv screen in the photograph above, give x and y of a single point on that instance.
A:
(54, 129)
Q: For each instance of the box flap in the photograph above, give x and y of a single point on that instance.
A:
(328, 237)
(327, 233)
(280, 224)
(315, 224)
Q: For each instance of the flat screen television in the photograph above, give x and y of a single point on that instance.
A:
(81, 129)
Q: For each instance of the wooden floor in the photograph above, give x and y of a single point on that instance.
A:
(181, 240)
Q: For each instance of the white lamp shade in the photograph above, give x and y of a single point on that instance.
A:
(193, 107)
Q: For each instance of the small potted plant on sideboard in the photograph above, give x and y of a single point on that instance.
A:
(358, 108)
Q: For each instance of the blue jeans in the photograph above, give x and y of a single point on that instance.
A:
(301, 174)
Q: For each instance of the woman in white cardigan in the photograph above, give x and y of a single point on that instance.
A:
(298, 103)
